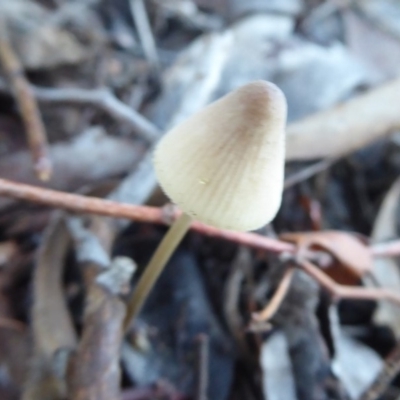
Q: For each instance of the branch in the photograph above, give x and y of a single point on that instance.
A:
(103, 99)
(24, 96)
(338, 291)
(93, 205)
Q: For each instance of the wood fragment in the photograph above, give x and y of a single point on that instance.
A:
(101, 98)
(339, 292)
(104, 100)
(24, 96)
(93, 372)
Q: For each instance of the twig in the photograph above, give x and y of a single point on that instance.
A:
(93, 205)
(203, 367)
(94, 372)
(24, 96)
(101, 98)
(94, 368)
(390, 369)
(143, 27)
(276, 300)
(347, 292)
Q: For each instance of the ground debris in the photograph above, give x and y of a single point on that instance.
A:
(306, 308)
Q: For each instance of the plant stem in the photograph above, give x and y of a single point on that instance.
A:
(156, 265)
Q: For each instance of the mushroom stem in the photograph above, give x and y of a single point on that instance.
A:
(156, 265)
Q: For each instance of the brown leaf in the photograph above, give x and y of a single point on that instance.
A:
(352, 257)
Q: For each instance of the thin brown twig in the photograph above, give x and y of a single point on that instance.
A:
(276, 300)
(338, 291)
(24, 96)
(93, 205)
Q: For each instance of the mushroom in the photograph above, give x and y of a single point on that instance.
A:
(223, 166)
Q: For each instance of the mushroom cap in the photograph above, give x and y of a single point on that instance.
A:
(224, 166)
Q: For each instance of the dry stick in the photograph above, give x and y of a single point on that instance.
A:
(347, 292)
(93, 205)
(390, 369)
(93, 372)
(103, 99)
(24, 96)
(276, 300)
(139, 14)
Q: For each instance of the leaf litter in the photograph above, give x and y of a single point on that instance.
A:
(108, 83)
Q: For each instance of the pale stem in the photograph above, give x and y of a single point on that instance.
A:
(156, 265)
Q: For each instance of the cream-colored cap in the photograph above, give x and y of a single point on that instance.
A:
(224, 166)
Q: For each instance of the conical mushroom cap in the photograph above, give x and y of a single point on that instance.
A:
(224, 166)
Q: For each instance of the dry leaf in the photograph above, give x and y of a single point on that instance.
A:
(353, 258)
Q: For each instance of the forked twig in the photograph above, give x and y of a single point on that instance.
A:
(103, 99)
(92, 205)
(347, 292)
